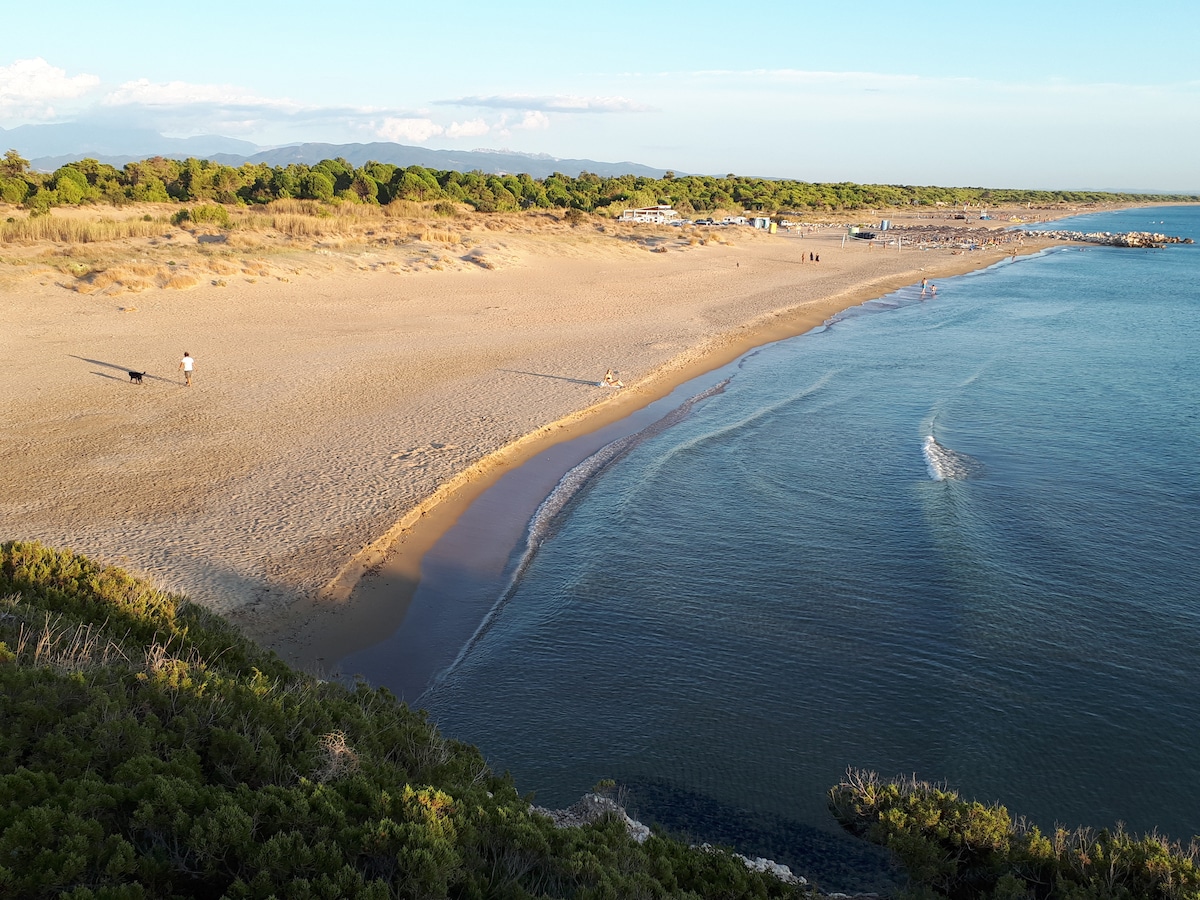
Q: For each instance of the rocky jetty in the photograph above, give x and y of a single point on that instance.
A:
(968, 237)
(1116, 239)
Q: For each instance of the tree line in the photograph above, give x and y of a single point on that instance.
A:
(162, 180)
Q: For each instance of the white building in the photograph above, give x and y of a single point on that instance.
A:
(655, 215)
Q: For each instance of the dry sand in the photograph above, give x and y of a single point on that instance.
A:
(341, 419)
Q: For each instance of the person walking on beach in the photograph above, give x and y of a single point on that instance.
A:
(186, 365)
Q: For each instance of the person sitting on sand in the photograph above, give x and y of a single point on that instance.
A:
(610, 379)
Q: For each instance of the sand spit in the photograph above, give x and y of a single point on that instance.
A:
(346, 408)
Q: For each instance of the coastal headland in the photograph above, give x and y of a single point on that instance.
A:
(352, 395)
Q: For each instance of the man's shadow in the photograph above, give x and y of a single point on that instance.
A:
(593, 383)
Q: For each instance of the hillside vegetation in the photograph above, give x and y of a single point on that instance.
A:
(147, 750)
(960, 849)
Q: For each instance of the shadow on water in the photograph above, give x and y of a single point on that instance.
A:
(594, 382)
(833, 861)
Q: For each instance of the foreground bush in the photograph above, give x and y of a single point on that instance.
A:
(148, 750)
(954, 848)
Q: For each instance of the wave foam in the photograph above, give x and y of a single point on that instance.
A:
(948, 465)
(549, 515)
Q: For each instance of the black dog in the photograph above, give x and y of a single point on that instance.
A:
(136, 377)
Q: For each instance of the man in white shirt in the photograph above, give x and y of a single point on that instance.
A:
(186, 365)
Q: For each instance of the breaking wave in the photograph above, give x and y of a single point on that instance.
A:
(949, 465)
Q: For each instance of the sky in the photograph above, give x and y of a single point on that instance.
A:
(1053, 95)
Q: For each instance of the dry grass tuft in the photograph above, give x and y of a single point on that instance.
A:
(220, 266)
(404, 209)
(296, 207)
(255, 267)
(73, 231)
(117, 280)
(62, 647)
(303, 226)
(181, 281)
(130, 278)
(438, 235)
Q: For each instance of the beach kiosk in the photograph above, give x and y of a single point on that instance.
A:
(654, 215)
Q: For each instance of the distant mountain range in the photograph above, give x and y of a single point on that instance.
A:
(80, 140)
(49, 146)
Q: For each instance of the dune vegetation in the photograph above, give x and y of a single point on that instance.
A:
(177, 224)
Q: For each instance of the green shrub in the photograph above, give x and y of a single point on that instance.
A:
(149, 750)
(955, 848)
(205, 214)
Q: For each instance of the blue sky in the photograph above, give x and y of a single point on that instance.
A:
(1046, 95)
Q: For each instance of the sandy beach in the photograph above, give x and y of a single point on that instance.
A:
(348, 404)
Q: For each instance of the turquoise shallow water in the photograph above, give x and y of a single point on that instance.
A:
(955, 536)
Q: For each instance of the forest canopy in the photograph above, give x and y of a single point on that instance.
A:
(162, 180)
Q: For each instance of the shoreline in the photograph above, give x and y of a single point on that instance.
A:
(345, 411)
(374, 590)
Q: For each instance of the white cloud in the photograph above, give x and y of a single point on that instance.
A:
(416, 131)
(534, 120)
(566, 103)
(144, 92)
(28, 87)
(473, 128)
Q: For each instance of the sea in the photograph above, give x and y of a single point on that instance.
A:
(953, 536)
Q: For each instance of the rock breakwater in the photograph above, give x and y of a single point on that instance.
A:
(1116, 239)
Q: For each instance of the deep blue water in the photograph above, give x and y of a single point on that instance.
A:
(956, 536)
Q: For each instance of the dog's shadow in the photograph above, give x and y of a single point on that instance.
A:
(119, 368)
